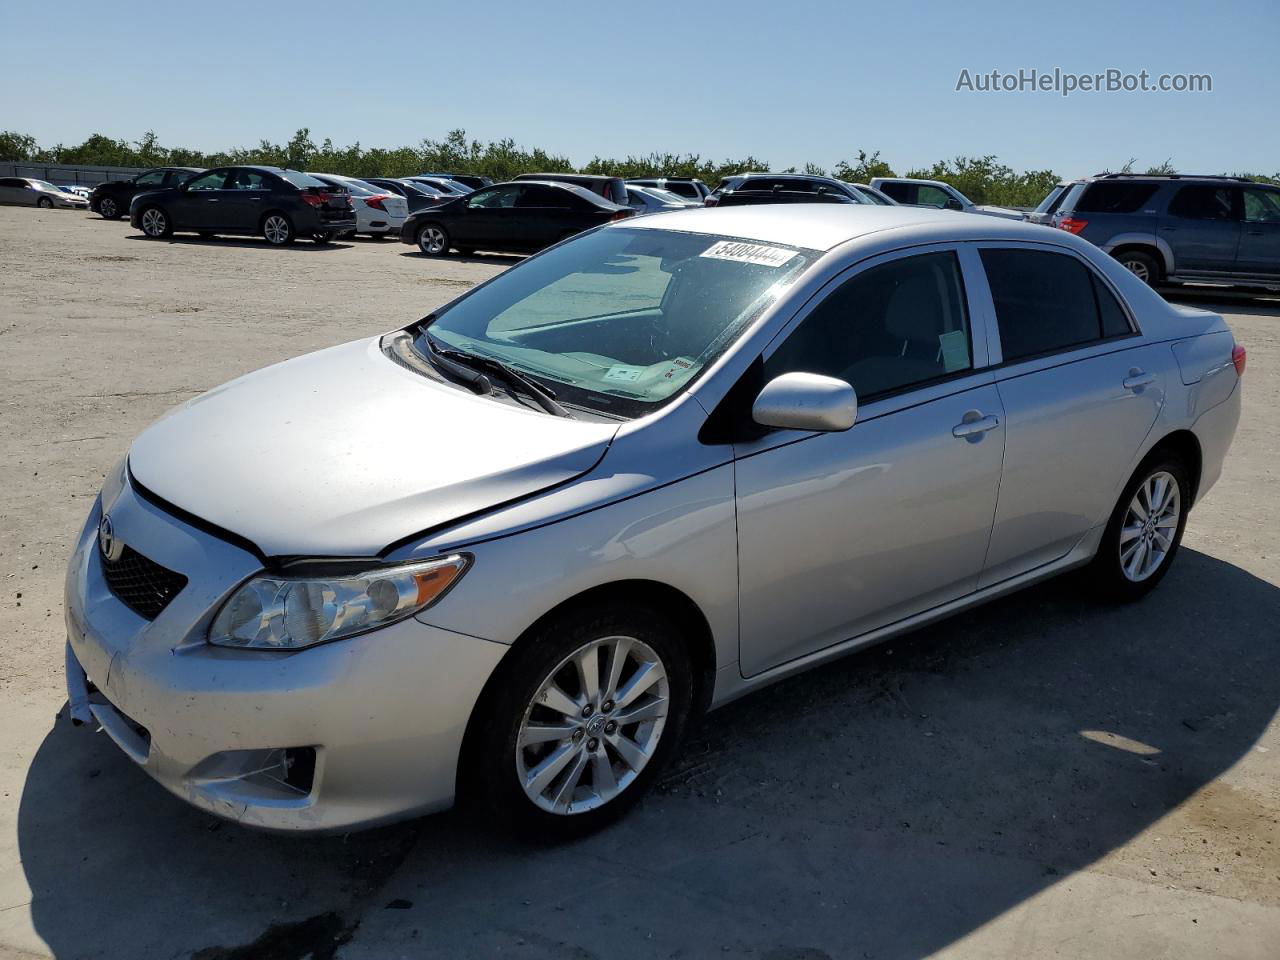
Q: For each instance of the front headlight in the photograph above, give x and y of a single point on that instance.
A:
(289, 613)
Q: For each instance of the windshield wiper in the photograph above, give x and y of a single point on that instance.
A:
(542, 396)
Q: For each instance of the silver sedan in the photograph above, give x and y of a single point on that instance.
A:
(510, 549)
(29, 192)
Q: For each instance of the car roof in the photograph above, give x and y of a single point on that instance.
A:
(821, 226)
(576, 189)
(567, 177)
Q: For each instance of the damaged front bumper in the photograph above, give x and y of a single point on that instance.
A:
(348, 734)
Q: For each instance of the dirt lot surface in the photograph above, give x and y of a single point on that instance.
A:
(1041, 777)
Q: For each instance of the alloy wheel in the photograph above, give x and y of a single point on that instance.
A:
(432, 240)
(1150, 526)
(153, 222)
(276, 229)
(1139, 269)
(44, 202)
(107, 207)
(593, 725)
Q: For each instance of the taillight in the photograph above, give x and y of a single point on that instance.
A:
(1072, 224)
(1238, 357)
(376, 202)
(315, 199)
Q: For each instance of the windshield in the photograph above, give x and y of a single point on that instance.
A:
(620, 320)
(45, 185)
(1048, 202)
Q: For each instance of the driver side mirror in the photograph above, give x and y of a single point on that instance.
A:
(953, 204)
(806, 401)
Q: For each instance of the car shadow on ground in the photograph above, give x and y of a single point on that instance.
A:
(883, 806)
(491, 259)
(299, 245)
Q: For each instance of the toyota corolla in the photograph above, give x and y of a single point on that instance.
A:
(511, 548)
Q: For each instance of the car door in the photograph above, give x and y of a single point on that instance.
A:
(196, 206)
(842, 533)
(1259, 251)
(542, 216)
(487, 217)
(11, 190)
(1202, 228)
(1080, 390)
(247, 195)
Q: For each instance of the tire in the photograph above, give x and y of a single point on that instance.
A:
(1141, 265)
(321, 237)
(277, 230)
(44, 203)
(108, 209)
(1128, 565)
(542, 669)
(433, 240)
(155, 223)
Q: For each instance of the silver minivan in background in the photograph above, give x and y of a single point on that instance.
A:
(508, 550)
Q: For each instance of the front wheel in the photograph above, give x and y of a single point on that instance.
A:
(277, 230)
(582, 719)
(108, 209)
(155, 223)
(1145, 530)
(433, 240)
(44, 203)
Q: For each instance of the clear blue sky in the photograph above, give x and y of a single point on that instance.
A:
(785, 81)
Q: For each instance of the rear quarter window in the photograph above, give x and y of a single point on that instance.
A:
(301, 179)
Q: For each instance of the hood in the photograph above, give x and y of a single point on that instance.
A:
(344, 452)
(1006, 212)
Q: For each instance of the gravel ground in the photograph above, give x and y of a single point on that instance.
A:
(971, 791)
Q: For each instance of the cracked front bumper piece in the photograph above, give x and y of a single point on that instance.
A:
(348, 734)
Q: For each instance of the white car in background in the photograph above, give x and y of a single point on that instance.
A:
(378, 212)
(655, 200)
(912, 192)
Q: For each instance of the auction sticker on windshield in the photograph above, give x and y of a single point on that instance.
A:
(748, 253)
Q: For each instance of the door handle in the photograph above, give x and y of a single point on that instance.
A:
(211, 200)
(1254, 233)
(1169, 229)
(1137, 379)
(974, 425)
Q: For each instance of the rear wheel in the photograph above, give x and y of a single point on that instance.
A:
(277, 229)
(155, 223)
(44, 203)
(582, 719)
(1145, 530)
(433, 240)
(108, 209)
(1141, 265)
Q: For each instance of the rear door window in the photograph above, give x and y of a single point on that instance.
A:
(1204, 202)
(1115, 196)
(902, 192)
(1047, 302)
(539, 196)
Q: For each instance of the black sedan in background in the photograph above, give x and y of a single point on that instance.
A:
(271, 202)
(417, 195)
(111, 200)
(519, 217)
(752, 188)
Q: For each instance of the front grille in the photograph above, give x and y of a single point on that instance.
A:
(141, 584)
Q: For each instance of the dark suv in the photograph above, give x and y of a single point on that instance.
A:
(1177, 228)
(111, 200)
(747, 188)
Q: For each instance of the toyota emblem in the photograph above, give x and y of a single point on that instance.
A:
(111, 547)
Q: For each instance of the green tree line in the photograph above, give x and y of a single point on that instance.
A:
(982, 179)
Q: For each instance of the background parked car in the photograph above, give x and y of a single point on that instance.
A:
(1179, 228)
(26, 192)
(654, 200)
(271, 202)
(687, 188)
(76, 189)
(449, 188)
(749, 188)
(416, 195)
(934, 193)
(613, 189)
(1048, 207)
(874, 195)
(519, 217)
(378, 211)
(111, 200)
(469, 180)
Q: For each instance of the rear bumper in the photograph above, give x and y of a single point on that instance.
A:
(378, 719)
